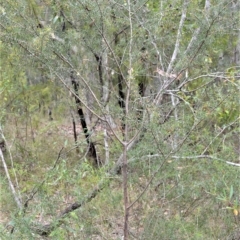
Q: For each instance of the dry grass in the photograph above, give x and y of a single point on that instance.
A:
(167, 202)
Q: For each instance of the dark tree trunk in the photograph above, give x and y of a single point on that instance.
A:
(75, 133)
(141, 89)
(92, 150)
(100, 71)
(121, 98)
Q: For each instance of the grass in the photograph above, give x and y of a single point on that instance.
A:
(188, 199)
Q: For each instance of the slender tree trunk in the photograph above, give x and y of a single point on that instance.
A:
(75, 133)
(125, 191)
(100, 71)
(126, 129)
(121, 99)
(92, 150)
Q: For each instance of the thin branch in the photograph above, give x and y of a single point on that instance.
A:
(12, 164)
(107, 43)
(179, 33)
(45, 230)
(64, 59)
(221, 132)
(15, 195)
(104, 119)
(206, 156)
(36, 188)
(193, 39)
(175, 52)
(234, 164)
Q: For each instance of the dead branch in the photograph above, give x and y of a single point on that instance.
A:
(15, 195)
(45, 230)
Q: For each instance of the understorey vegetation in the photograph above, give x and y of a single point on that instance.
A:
(119, 119)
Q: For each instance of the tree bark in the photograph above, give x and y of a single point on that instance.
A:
(92, 150)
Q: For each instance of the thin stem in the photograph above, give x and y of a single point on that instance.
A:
(125, 146)
(15, 195)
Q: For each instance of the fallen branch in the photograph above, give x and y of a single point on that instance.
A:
(45, 230)
(36, 189)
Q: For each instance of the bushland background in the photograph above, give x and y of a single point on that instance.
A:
(119, 119)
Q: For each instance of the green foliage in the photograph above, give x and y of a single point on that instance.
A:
(178, 176)
(193, 209)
